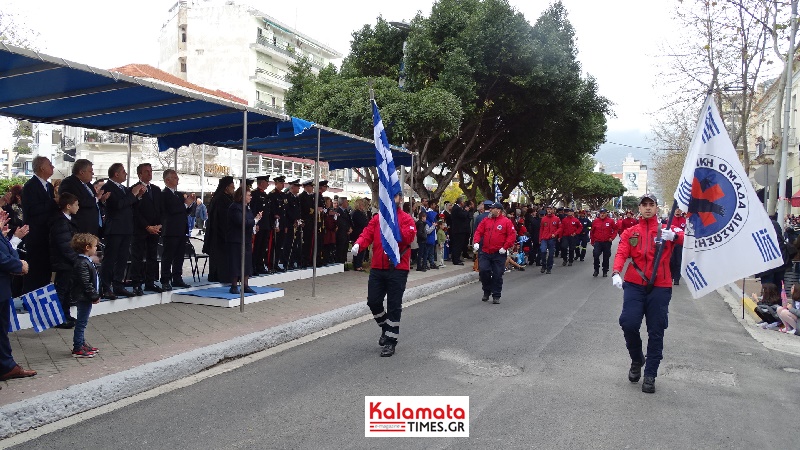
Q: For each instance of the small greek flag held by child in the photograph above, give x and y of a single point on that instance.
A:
(14, 322)
(44, 308)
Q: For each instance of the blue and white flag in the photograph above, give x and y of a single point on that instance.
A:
(44, 308)
(389, 186)
(728, 234)
(14, 320)
(498, 194)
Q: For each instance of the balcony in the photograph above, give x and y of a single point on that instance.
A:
(288, 50)
(271, 108)
(272, 79)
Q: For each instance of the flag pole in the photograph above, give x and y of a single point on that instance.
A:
(660, 247)
(743, 294)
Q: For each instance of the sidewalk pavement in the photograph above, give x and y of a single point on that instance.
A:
(147, 347)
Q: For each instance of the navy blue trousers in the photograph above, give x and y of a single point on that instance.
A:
(568, 244)
(389, 283)
(491, 267)
(654, 308)
(601, 248)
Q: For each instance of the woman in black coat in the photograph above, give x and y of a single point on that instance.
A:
(214, 245)
(233, 240)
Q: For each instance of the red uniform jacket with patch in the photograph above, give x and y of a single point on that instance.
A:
(550, 225)
(624, 224)
(570, 226)
(372, 235)
(603, 230)
(494, 233)
(638, 243)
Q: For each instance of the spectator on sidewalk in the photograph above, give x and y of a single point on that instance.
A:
(460, 217)
(84, 289)
(422, 239)
(38, 207)
(200, 216)
(767, 305)
(10, 264)
(360, 221)
(789, 312)
(62, 256)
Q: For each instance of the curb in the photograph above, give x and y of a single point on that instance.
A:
(749, 304)
(57, 405)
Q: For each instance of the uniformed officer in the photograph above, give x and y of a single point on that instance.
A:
(294, 223)
(259, 203)
(307, 211)
(322, 211)
(604, 230)
(583, 237)
(570, 228)
(277, 208)
(638, 302)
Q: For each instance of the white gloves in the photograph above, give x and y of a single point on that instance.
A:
(476, 246)
(354, 250)
(502, 251)
(668, 235)
(616, 281)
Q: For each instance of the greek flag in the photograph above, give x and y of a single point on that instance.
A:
(44, 308)
(389, 186)
(14, 320)
(726, 221)
(498, 194)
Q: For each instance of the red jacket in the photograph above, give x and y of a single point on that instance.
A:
(603, 230)
(624, 224)
(571, 226)
(495, 233)
(550, 225)
(642, 252)
(372, 235)
(679, 222)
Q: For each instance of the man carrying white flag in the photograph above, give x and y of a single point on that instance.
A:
(390, 232)
(728, 234)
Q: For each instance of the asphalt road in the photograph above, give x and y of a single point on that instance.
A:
(544, 369)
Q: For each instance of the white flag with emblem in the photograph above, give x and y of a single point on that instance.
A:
(728, 234)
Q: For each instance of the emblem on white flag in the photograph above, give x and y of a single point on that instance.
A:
(728, 234)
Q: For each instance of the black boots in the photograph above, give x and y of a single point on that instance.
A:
(387, 350)
(635, 372)
(649, 385)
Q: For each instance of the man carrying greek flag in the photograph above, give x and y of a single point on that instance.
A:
(390, 232)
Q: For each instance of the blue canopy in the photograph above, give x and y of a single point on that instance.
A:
(45, 89)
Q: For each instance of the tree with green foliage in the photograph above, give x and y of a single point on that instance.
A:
(481, 84)
(596, 189)
(630, 203)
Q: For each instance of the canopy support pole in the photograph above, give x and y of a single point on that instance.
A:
(412, 184)
(243, 186)
(316, 218)
(130, 149)
(202, 173)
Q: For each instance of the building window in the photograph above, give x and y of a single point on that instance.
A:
(183, 35)
(273, 101)
(183, 65)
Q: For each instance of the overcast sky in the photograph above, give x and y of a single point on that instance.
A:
(618, 40)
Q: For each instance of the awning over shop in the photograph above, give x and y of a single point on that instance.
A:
(42, 88)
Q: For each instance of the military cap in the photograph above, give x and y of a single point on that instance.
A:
(648, 196)
(263, 178)
(323, 183)
(308, 183)
(280, 179)
(295, 182)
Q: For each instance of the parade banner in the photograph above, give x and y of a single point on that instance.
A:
(728, 234)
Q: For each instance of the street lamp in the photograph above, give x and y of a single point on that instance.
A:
(402, 26)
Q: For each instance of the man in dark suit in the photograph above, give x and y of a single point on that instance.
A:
(175, 208)
(38, 207)
(146, 233)
(459, 230)
(10, 264)
(118, 231)
(344, 226)
(260, 204)
(79, 184)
